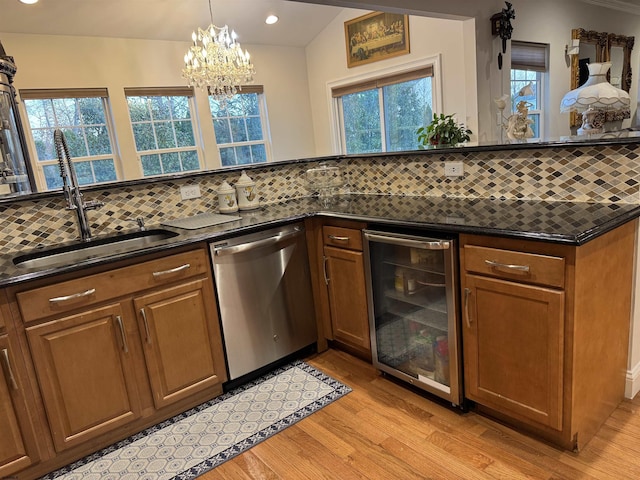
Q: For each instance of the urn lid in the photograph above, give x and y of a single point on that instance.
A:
(245, 181)
(225, 188)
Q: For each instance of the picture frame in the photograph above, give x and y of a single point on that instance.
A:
(376, 36)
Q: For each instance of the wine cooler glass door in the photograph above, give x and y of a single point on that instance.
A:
(413, 317)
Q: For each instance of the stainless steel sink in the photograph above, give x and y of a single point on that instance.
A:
(97, 247)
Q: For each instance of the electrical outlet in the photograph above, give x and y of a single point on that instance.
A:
(189, 191)
(453, 169)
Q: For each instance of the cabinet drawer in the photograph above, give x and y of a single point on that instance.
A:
(92, 289)
(519, 266)
(342, 237)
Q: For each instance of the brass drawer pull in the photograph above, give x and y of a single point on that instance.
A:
(337, 238)
(519, 268)
(146, 325)
(73, 296)
(125, 347)
(7, 363)
(172, 270)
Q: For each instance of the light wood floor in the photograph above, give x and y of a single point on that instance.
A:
(381, 430)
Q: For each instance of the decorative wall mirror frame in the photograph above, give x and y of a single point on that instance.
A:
(603, 42)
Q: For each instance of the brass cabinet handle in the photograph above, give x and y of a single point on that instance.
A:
(73, 296)
(7, 363)
(337, 238)
(494, 264)
(125, 347)
(172, 270)
(146, 325)
(324, 269)
(467, 294)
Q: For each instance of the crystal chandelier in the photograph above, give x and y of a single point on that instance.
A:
(216, 60)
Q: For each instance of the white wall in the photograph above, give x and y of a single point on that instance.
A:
(46, 61)
(327, 64)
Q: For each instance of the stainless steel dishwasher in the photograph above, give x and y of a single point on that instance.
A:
(264, 294)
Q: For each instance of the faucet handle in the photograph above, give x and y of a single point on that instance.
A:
(92, 205)
(139, 221)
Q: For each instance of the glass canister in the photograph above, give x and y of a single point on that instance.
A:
(247, 193)
(227, 202)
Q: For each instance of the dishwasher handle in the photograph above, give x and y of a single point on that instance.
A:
(244, 247)
(408, 242)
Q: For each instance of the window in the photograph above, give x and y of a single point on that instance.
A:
(382, 115)
(83, 117)
(163, 129)
(529, 66)
(239, 124)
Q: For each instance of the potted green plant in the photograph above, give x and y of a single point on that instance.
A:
(443, 130)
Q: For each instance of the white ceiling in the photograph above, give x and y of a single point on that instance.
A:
(168, 19)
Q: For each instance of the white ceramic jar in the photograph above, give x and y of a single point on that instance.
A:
(227, 202)
(247, 193)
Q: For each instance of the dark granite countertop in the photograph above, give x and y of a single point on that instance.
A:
(558, 222)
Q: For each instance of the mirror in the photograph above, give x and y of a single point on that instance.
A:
(601, 47)
(302, 132)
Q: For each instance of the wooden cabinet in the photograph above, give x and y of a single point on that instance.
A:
(545, 331)
(17, 450)
(121, 349)
(338, 280)
(179, 341)
(86, 374)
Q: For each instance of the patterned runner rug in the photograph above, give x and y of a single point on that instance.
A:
(202, 438)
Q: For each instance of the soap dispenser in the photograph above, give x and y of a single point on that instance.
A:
(227, 198)
(247, 194)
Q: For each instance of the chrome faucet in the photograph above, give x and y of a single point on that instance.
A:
(70, 187)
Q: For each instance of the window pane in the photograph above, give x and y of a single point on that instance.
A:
(160, 108)
(151, 165)
(104, 170)
(254, 127)
(84, 173)
(91, 111)
(138, 109)
(98, 140)
(259, 153)
(227, 157)
(238, 130)
(243, 155)
(190, 160)
(170, 162)
(52, 177)
(66, 112)
(44, 144)
(361, 112)
(143, 133)
(75, 142)
(180, 107)
(164, 135)
(40, 113)
(184, 134)
(223, 131)
(407, 106)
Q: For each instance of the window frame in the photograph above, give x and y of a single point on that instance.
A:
(336, 117)
(51, 94)
(193, 114)
(264, 124)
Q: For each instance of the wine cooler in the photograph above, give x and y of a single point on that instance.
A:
(413, 315)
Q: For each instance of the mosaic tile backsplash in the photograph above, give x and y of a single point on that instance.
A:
(603, 174)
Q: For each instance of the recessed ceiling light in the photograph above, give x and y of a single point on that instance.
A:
(29, 2)
(271, 19)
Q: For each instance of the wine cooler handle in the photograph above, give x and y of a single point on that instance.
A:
(467, 318)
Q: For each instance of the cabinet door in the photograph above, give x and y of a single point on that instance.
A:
(85, 374)
(347, 296)
(14, 450)
(181, 338)
(513, 348)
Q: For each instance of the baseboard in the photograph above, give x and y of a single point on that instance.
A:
(632, 385)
